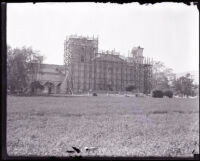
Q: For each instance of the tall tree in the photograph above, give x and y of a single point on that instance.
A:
(184, 85)
(20, 63)
(162, 76)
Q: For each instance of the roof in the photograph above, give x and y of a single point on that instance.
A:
(52, 68)
(109, 57)
(45, 82)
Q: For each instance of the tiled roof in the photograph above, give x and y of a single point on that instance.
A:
(52, 68)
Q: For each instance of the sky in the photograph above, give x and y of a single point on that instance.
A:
(168, 32)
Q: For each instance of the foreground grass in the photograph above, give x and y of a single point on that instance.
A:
(117, 126)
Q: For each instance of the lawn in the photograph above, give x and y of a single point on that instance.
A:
(116, 125)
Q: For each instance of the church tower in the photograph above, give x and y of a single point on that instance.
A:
(78, 54)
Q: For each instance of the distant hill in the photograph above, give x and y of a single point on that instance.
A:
(195, 75)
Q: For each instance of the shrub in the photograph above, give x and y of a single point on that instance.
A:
(130, 88)
(94, 94)
(157, 94)
(168, 93)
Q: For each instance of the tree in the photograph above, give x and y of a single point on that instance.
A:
(157, 93)
(20, 63)
(162, 76)
(168, 93)
(184, 85)
(196, 89)
(158, 67)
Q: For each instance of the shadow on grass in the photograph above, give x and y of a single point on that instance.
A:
(99, 114)
(176, 111)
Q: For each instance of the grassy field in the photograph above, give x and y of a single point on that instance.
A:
(117, 126)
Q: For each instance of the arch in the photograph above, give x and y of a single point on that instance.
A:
(50, 87)
(35, 86)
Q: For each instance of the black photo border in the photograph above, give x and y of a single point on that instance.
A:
(4, 155)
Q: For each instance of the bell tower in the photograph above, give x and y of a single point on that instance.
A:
(78, 54)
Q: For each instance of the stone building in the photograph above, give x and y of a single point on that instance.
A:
(89, 69)
(50, 77)
(86, 68)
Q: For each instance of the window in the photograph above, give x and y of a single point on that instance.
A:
(82, 58)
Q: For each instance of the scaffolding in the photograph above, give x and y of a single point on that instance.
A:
(88, 68)
(78, 54)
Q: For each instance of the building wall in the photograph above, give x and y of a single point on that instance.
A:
(90, 70)
(79, 63)
(48, 74)
(51, 72)
(111, 76)
(85, 69)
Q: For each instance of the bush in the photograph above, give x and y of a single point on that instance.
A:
(168, 93)
(130, 88)
(157, 94)
(94, 94)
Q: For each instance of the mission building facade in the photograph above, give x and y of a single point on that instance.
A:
(88, 69)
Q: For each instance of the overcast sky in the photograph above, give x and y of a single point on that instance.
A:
(168, 32)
